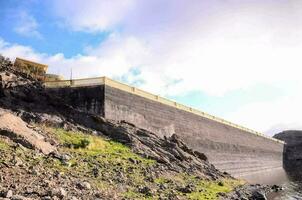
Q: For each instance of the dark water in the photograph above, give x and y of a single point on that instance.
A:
(292, 188)
(292, 191)
(292, 183)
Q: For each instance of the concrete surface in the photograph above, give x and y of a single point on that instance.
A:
(230, 149)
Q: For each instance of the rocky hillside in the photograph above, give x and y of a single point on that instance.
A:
(49, 150)
(290, 137)
(292, 155)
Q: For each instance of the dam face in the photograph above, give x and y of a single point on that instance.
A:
(232, 149)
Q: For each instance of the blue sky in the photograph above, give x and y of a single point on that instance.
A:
(47, 35)
(239, 60)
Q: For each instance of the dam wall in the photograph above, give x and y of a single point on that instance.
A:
(230, 147)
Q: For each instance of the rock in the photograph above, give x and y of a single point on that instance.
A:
(145, 190)
(8, 194)
(248, 192)
(16, 129)
(46, 198)
(276, 188)
(258, 196)
(35, 172)
(84, 186)
(132, 160)
(58, 192)
(187, 189)
(32, 170)
(57, 174)
(17, 161)
(95, 172)
(220, 183)
(65, 157)
(19, 197)
(200, 155)
(62, 192)
(222, 194)
(162, 186)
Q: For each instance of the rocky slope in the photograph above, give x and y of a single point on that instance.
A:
(292, 156)
(49, 150)
(290, 137)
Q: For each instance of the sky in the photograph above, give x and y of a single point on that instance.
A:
(239, 60)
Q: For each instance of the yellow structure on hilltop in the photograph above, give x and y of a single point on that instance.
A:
(37, 70)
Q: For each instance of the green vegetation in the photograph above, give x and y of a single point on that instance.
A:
(210, 189)
(201, 189)
(106, 163)
(3, 144)
(81, 144)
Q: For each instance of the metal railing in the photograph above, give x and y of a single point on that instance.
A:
(147, 95)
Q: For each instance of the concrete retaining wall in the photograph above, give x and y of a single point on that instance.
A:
(230, 149)
(89, 99)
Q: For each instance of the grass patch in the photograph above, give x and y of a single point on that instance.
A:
(202, 189)
(210, 189)
(113, 161)
(3, 145)
(135, 195)
(161, 180)
(80, 143)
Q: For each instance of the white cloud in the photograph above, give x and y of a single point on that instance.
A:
(92, 15)
(213, 47)
(14, 50)
(273, 116)
(26, 25)
(115, 58)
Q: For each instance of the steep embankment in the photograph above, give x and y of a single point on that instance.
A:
(49, 150)
(292, 156)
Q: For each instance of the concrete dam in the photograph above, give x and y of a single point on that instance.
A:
(230, 147)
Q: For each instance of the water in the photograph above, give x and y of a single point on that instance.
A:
(292, 191)
(276, 176)
(291, 182)
(292, 188)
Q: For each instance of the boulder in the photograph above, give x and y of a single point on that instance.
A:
(16, 129)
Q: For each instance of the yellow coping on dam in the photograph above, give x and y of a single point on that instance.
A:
(147, 95)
